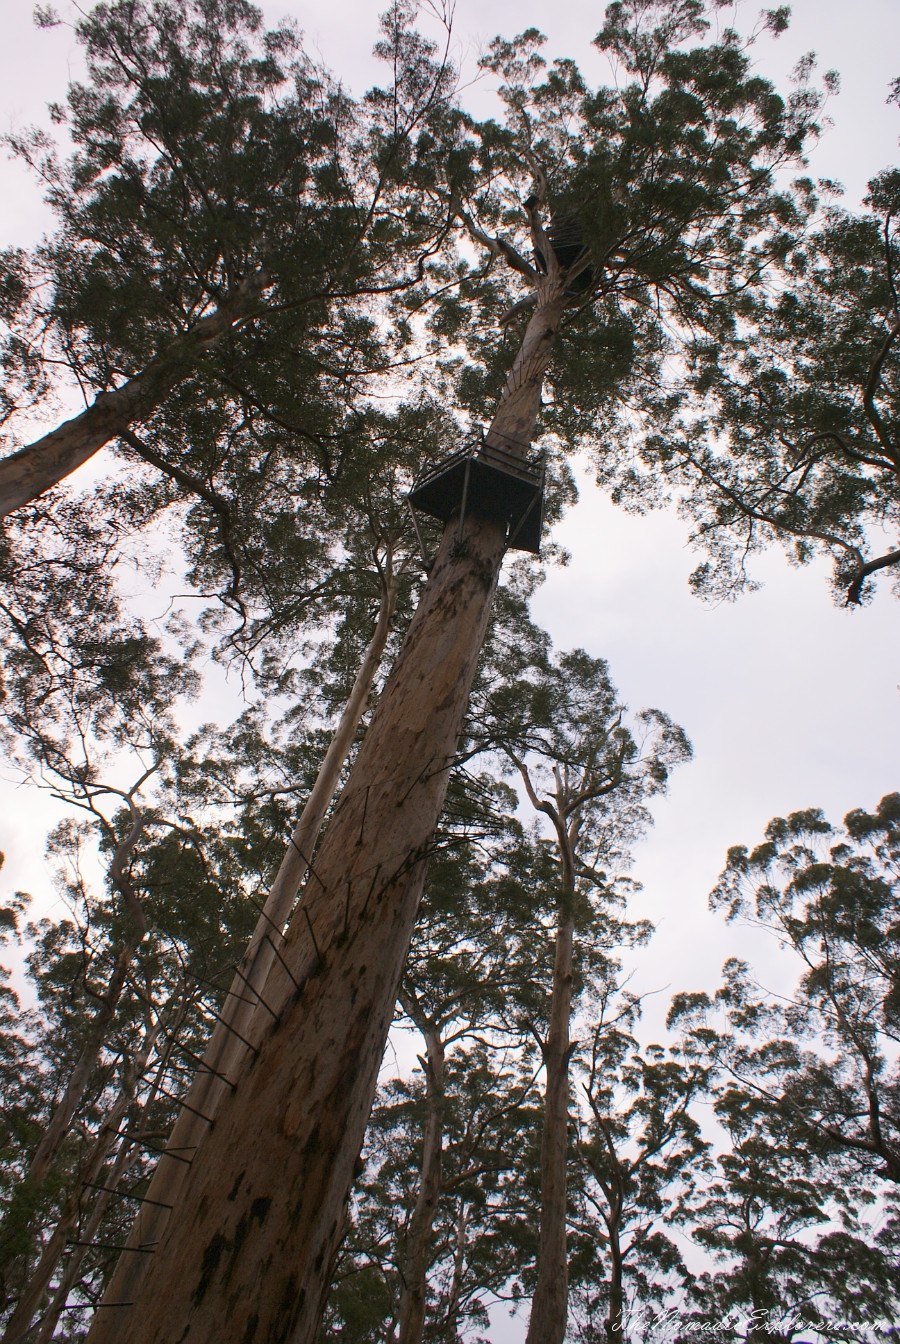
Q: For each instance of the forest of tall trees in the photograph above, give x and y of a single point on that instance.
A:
(327, 1020)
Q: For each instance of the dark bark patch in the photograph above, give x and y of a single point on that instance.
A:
(299, 988)
(312, 1143)
(250, 1332)
(258, 1213)
(259, 1209)
(236, 1187)
(289, 1299)
(211, 1257)
(240, 1234)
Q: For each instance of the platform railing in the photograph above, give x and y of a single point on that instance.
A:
(526, 469)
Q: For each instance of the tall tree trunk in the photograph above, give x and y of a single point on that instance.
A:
(414, 1264)
(549, 1306)
(27, 473)
(244, 1013)
(248, 1254)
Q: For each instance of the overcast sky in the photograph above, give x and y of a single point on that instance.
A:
(789, 701)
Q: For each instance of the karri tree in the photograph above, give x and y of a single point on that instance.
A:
(672, 177)
(590, 771)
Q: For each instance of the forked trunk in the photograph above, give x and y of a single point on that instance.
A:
(248, 1255)
(244, 1014)
(549, 1305)
(27, 473)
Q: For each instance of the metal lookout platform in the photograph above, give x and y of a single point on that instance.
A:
(486, 482)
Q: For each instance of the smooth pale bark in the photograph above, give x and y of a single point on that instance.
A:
(27, 473)
(454, 1297)
(19, 1324)
(244, 1016)
(414, 1261)
(248, 1255)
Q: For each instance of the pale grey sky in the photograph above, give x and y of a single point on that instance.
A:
(790, 702)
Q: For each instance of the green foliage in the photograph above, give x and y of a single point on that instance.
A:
(794, 1234)
(802, 1213)
(205, 147)
(830, 1057)
(793, 432)
(670, 179)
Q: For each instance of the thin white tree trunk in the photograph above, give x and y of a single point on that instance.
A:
(248, 1254)
(58, 1127)
(125, 1159)
(454, 1297)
